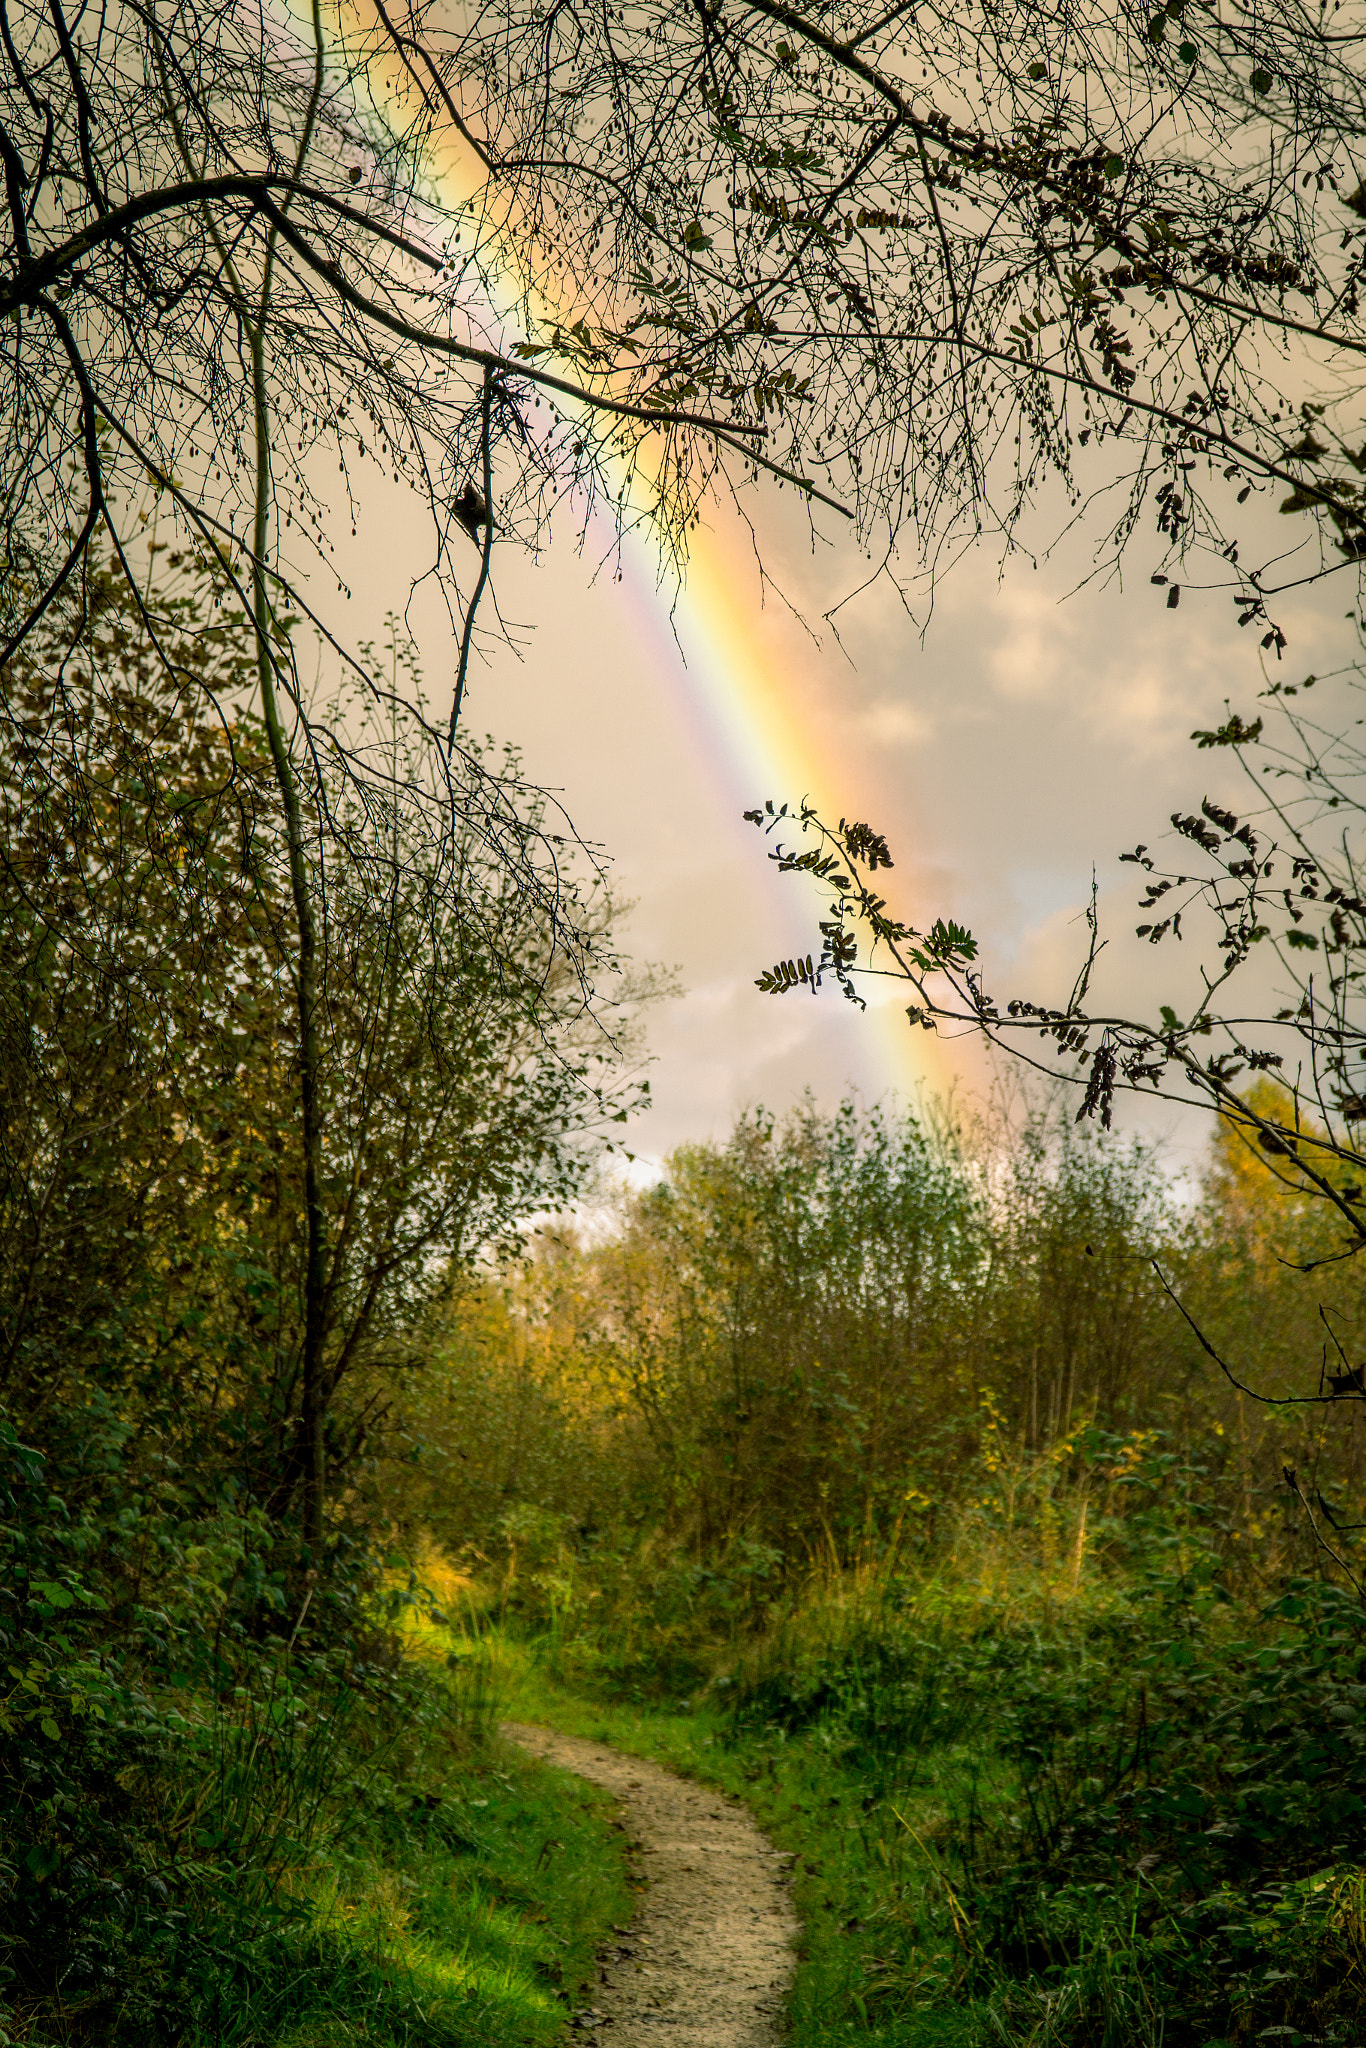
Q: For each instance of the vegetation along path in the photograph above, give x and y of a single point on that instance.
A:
(711, 1952)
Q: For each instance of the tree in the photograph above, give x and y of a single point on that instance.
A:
(226, 253)
(156, 1255)
(220, 257)
(1270, 1034)
(826, 1334)
(917, 262)
(914, 265)
(952, 253)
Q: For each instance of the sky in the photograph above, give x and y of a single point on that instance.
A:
(1026, 737)
(1009, 749)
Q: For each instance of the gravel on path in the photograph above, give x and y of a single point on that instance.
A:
(710, 1955)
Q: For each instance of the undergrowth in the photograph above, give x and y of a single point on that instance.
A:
(215, 1830)
(1048, 1808)
(419, 1885)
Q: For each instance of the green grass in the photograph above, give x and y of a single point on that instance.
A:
(479, 1930)
(878, 1960)
(1128, 1819)
(446, 1891)
(1126, 1816)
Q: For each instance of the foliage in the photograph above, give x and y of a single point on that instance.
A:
(227, 251)
(1114, 1808)
(1272, 891)
(916, 264)
(1268, 1034)
(197, 294)
(203, 1714)
(842, 1333)
(153, 1144)
(211, 1836)
(1064, 1728)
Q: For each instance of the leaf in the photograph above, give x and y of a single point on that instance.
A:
(786, 974)
(1261, 81)
(1196, 829)
(946, 944)
(53, 1593)
(1231, 734)
(866, 845)
(1269, 1142)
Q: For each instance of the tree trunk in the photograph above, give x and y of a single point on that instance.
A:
(308, 1458)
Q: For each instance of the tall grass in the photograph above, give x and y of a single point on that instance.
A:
(1064, 1781)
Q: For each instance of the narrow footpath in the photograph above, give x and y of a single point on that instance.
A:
(711, 1953)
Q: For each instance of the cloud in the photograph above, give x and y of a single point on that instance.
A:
(1029, 737)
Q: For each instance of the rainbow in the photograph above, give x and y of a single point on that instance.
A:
(744, 693)
(734, 690)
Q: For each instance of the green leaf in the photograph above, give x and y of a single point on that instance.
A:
(948, 943)
(52, 1592)
(1261, 81)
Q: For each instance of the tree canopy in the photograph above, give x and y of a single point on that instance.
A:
(961, 261)
(158, 1228)
(935, 266)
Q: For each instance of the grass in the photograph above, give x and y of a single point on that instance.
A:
(880, 1956)
(409, 1880)
(1122, 1813)
(466, 1913)
(479, 1929)
(859, 1879)
(1105, 1810)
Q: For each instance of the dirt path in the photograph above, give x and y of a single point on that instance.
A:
(711, 1952)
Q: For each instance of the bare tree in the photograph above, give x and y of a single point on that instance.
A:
(931, 266)
(963, 260)
(224, 258)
